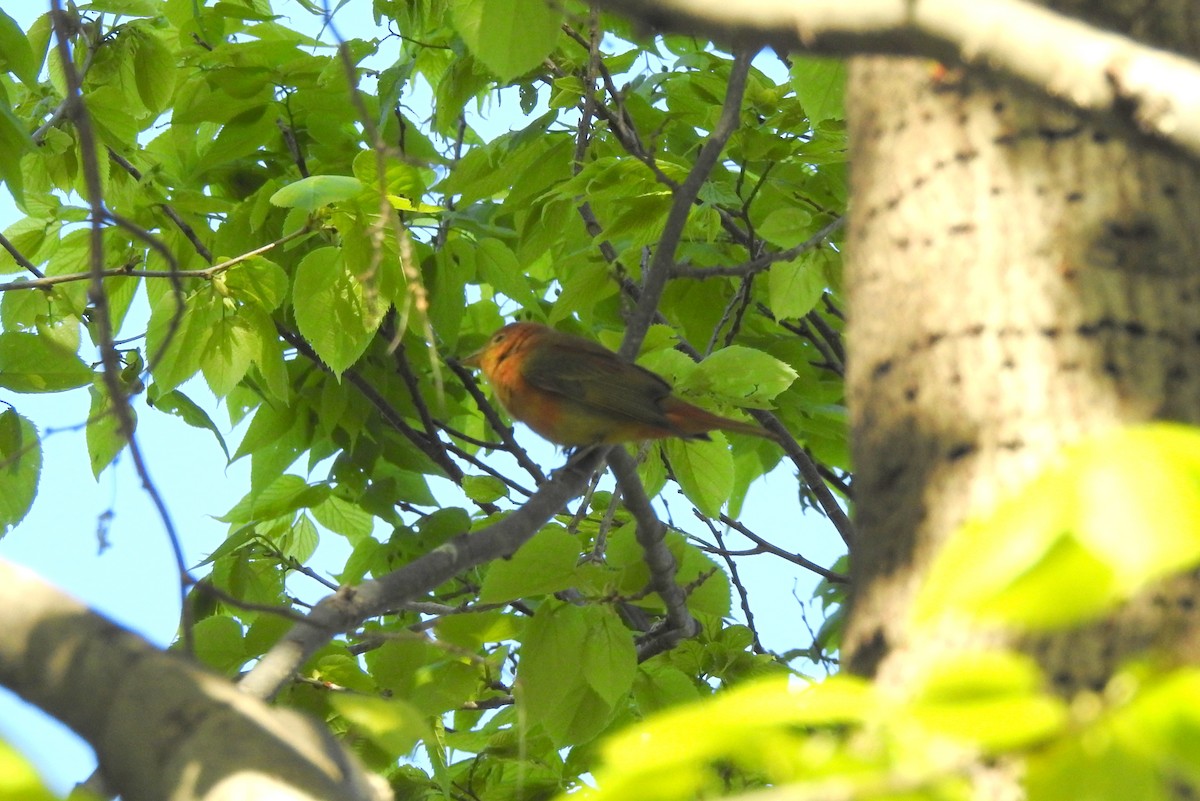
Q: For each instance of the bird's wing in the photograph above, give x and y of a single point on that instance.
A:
(596, 379)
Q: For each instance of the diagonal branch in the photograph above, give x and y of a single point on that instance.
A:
(101, 328)
(659, 271)
(350, 606)
(650, 535)
(161, 726)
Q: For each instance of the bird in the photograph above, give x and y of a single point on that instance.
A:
(577, 393)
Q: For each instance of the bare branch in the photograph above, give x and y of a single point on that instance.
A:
(160, 724)
(350, 606)
(650, 535)
(207, 273)
(1099, 73)
(659, 272)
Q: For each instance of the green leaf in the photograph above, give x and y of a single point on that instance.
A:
(332, 311)
(543, 565)
(257, 280)
(712, 595)
(300, 541)
(484, 489)
(963, 690)
(219, 643)
(392, 724)
(704, 471)
(660, 685)
(104, 438)
(473, 629)
(499, 267)
(20, 468)
(232, 344)
(16, 56)
(577, 663)
(315, 191)
(667, 756)
(176, 338)
(444, 524)
(1163, 720)
(19, 779)
(1073, 526)
(743, 376)
(820, 84)
(344, 517)
(284, 495)
(126, 8)
(786, 227)
(32, 363)
(183, 407)
(154, 69)
(510, 36)
(14, 143)
(795, 286)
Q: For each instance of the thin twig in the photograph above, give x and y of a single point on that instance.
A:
(656, 277)
(116, 272)
(76, 110)
(796, 559)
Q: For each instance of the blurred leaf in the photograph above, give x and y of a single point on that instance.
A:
(1072, 527)
(19, 779)
(392, 724)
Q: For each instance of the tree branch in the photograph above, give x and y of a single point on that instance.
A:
(656, 276)
(161, 727)
(650, 535)
(350, 606)
(1102, 74)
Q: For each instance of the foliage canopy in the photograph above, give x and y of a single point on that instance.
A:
(300, 230)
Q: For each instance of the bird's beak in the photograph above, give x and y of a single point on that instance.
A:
(474, 360)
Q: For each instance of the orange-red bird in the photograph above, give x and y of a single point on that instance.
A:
(575, 392)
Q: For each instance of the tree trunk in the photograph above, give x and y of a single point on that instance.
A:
(1018, 279)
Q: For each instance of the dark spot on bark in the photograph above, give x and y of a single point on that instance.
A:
(960, 451)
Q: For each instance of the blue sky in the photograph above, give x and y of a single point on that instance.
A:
(133, 580)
